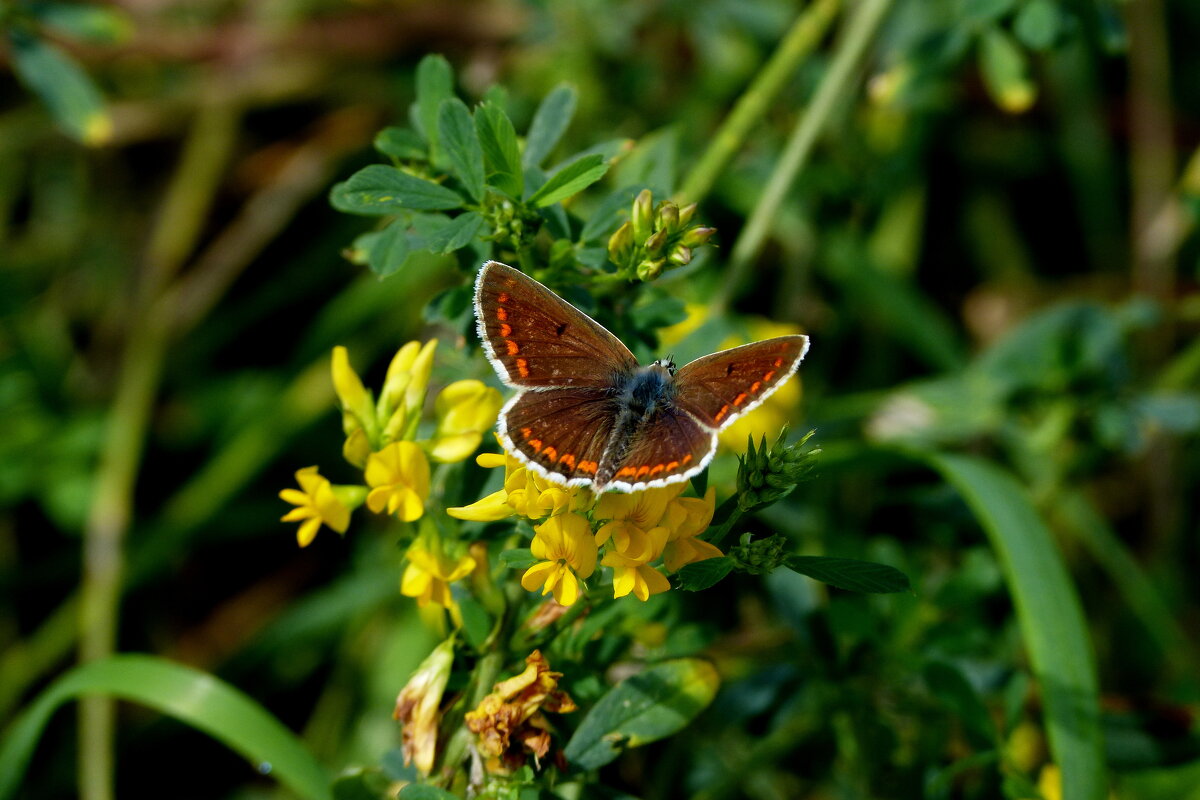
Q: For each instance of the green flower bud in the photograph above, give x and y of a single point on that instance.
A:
(686, 213)
(668, 217)
(650, 269)
(680, 255)
(620, 244)
(694, 237)
(654, 245)
(643, 215)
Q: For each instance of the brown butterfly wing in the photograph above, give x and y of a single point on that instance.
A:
(718, 389)
(671, 447)
(562, 431)
(536, 340)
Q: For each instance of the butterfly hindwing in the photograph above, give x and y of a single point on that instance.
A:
(561, 431)
(536, 340)
(671, 448)
(718, 389)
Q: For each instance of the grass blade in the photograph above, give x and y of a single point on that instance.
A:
(1050, 615)
(194, 697)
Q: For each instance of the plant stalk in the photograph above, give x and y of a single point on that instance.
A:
(860, 31)
(806, 32)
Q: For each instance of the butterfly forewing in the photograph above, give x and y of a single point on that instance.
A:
(718, 389)
(537, 340)
(562, 431)
(671, 448)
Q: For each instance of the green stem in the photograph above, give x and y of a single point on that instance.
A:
(192, 190)
(860, 30)
(797, 44)
(103, 562)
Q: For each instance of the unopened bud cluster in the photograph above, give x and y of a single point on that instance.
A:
(510, 227)
(761, 556)
(656, 238)
(766, 475)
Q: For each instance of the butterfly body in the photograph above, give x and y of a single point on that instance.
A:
(587, 414)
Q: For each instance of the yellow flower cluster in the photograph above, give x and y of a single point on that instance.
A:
(636, 531)
(381, 438)
(525, 494)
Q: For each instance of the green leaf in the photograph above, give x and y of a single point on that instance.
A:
(90, 23)
(947, 683)
(63, 86)
(456, 234)
(550, 121)
(402, 143)
(417, 791)
(1038, 24)
(193, 697)
(1051, 619)
(379, 190)
(571, 179)
(477, 623)
(501, 153)
(389, 250)
(458, 137)
(519, 558)
(703, 574)
(644, 708)
(435, 83)
(850, 574)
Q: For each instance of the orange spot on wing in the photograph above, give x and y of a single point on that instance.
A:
(721, 414)
(505, 329)
(643, 471)
(527, 432)
(657, 469)
(522, 368)
(741, 398)
(502, 314)
(550, 453)
(630, 471)
(754, 386)
(769, 375)
(672, 465)
(588, 466)
(568, 459)
(536, 444)
(686, 459)
(513, 347)
(779, 362)
(503, 298)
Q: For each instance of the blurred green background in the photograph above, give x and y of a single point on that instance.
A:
(992, 246)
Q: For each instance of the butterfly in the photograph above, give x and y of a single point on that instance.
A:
(587, 414)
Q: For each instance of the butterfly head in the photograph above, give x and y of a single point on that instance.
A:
(666, 365)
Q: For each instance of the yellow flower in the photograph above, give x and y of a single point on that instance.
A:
(357, 409)
(634, 574)
(568, 553)
(418, 703)
(319, 502)
(399, 479)
(429, 575)
(633, 519)
(685, 519)
(525, 494)
(404, 387)
(465, 410)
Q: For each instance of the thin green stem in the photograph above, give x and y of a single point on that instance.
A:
(860, 30)
(797, 44)
(192, 190)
